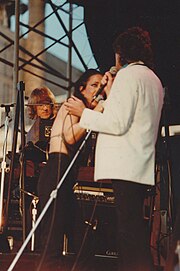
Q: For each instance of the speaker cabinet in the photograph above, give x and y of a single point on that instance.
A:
(96, 223)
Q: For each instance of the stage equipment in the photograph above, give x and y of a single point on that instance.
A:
(98, 199)
(19, 116)
(3, 163)
(34, 202)
(4, 247)
(90, 194)
(34, 216)
(94, 191)
(167, 154)
(53, 196)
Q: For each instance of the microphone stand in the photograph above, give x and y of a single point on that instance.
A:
(34, 214)
(3, 125)
(19, 112)
(3, 163)
(53, 196)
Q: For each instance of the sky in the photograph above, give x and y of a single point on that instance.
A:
(55, 30)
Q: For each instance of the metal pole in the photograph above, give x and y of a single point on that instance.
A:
(34, 215)
(21, 88)
(69, 64)
(3, 167)
(16, 49)
(15, 62)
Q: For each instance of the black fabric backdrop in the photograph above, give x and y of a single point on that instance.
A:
(105, 19)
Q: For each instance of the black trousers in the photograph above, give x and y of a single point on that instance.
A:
(132, 237)
(59, 218)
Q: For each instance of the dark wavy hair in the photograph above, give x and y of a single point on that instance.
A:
(82, 82)
(134, 45)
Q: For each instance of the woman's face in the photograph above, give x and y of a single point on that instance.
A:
(92, 86)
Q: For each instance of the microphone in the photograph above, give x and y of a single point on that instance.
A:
(99, 98)
(113, 70)
(7, 105)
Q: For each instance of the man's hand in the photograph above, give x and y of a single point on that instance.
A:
(107, 80)
(74, 106)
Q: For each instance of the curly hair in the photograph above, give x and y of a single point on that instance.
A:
(134, 45)
(82, 82)
(38, 96)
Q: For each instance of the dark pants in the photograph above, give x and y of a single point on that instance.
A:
(59, 218)
(132, 237)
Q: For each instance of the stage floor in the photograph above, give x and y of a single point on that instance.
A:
(29, 261)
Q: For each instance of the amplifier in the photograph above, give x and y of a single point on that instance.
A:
(95, 209)
(92, 191)
(87, 190)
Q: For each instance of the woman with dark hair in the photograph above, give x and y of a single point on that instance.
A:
(66, 136)
(81, 84)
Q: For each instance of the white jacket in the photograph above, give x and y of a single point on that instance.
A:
(128, 126)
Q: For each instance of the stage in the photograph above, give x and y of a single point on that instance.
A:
(30, 261)
(88, 193)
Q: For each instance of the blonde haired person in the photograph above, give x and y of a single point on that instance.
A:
(42, 109)
(38, 98)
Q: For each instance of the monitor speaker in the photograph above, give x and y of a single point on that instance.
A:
(97, 223)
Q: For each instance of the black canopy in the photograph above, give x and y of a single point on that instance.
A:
(105, 19)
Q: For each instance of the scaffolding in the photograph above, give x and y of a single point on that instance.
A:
(29, 62)
(32, 63)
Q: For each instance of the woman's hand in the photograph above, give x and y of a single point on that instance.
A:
(74, 106)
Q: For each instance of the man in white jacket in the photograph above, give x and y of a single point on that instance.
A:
(125, 150)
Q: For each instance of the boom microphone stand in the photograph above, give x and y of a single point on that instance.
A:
(34, 203)
(3, 163)
(19, 111)
(53, 196)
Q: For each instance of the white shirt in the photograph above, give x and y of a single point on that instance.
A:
(128, 126)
